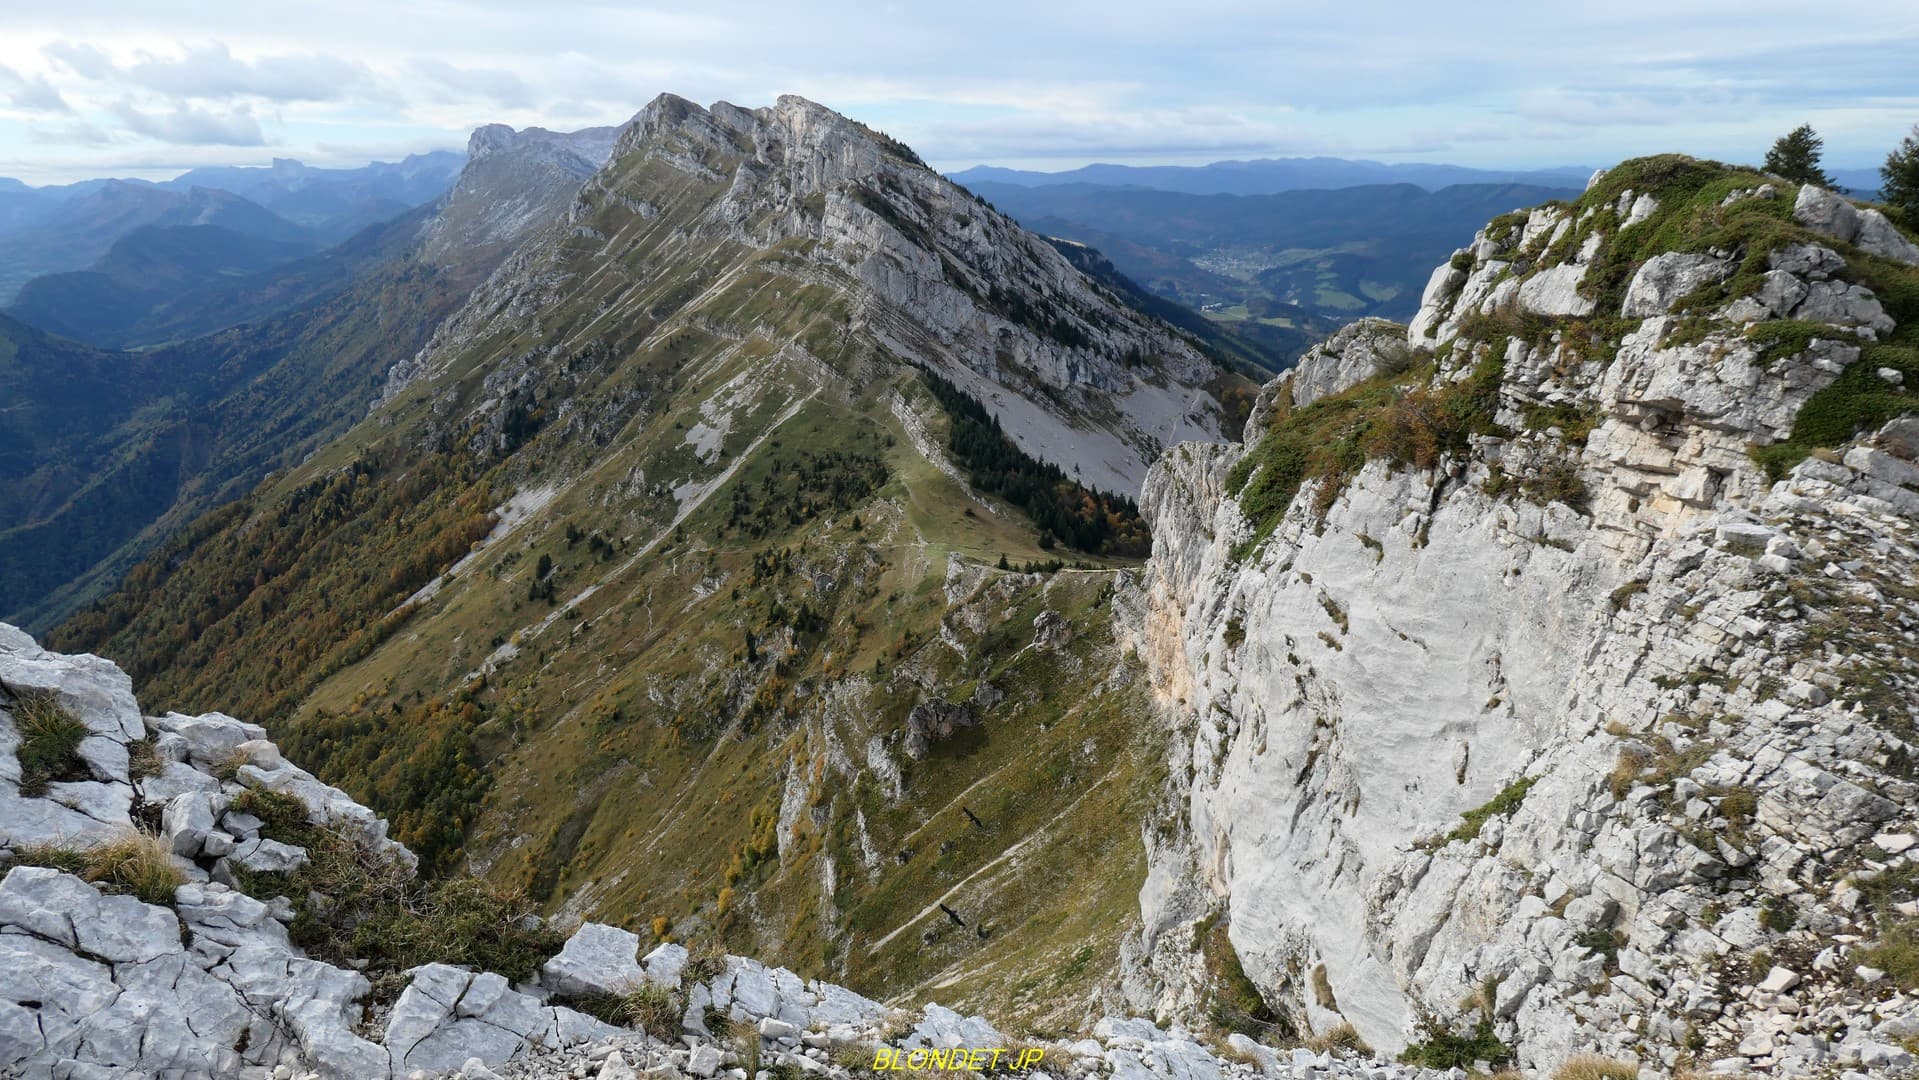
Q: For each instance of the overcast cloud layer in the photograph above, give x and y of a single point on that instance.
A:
(125, 88)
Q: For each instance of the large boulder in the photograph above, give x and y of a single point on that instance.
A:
(597, 959)
(447, 1016)
(212, 739)
(1359, 351)
(1555, 291)
(1832, 215)
(1665, 279)
(934, 721)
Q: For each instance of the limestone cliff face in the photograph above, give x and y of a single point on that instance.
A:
(1584, 726)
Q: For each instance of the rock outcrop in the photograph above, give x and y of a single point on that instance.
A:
(1359, 351)
(1572, 694)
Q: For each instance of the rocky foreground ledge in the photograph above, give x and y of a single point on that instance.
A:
(143, 934)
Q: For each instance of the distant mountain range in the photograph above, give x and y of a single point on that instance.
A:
(262, 353)
(297, 208)
(1267, 176)
(335, 203)
(1282, 269)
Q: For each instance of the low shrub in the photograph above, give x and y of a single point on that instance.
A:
(134, 863)
(1341, 1036)
(1896, 953)
(1445, 1049)
(1500, 805)
(137, 863)
(283, 817)
(657, 1011)
(355, 903)
(467, 922)
(143, 760)
(50, 737)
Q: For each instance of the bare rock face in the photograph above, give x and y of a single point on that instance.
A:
(1831, 214)
(1566, 753)
(1359, 351)
(1666, 278)
(936, 721)
(205, 980)
(514, 183)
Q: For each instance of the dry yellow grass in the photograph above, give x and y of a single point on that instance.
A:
(133, 862)
(1594, 1067)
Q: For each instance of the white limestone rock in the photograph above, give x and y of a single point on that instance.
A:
(447, 1015)
(188, 818)
(597, 959)
(264, 856)
(1426, 644)
(1663, 280)
(1359, 351)
(1831, 214)
(704, 1061)
(1555, 291)
(664, 964)
(212, 739)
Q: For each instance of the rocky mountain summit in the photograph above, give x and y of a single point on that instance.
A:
(146, 931)
(513, 183)
(797, 197)
(1544, 672)
(1539, 675)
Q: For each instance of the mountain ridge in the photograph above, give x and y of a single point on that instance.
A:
(1530, 680)
(752, 466)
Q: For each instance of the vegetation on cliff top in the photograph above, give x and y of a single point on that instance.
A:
(1695, 216)
(1403, 418)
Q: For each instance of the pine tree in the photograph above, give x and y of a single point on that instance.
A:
(1900, 176)
(1796, 157)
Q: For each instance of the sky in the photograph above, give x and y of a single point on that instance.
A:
(135, 88)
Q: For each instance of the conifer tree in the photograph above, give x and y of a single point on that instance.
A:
(1796, 157)
(1900, 179)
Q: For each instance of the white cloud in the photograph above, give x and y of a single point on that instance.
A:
(33, 95)
(188, 126)
(1062, 82)
(86, 61)
(212, 72)
(457, 84)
